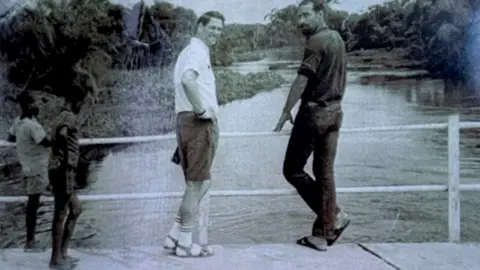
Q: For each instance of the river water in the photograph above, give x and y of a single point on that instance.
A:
(364, 159)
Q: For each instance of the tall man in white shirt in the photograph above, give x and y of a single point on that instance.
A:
(196, 107)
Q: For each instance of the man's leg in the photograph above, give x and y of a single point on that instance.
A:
(172, 237)
(300, 147)
(332, 221)
(325, 124)
(194, 192)
(75, 211)
(171, 240)
(199, 141)
(323, 169)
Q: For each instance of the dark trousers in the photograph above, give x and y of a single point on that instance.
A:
(316, 129)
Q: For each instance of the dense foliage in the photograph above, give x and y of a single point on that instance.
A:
(61, 46)
(434, 31)
(55, 47)
(97, 35)
(441, 33)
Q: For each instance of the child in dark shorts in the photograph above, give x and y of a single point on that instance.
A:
(63, 171)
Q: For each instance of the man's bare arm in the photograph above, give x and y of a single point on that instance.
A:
(189, 82)
(296, 91)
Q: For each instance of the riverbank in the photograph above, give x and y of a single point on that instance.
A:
(361, 59)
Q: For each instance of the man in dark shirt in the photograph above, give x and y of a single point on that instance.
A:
(63, 165)
(320, 84)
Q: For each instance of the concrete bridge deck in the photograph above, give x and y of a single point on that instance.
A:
(438, 256)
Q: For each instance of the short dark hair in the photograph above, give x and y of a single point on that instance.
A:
(318, 5)
(205, 18)
(25, 99)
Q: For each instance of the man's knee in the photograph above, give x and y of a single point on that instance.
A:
(205, 185)
(289, 173)
(199, 187)
(323, 164)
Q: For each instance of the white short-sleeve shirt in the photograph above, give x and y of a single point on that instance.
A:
(33, 157)
(195, 56)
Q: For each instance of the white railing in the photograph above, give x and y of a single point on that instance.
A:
(453, 186)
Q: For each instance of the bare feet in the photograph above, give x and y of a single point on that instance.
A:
(32, 246)
(70, 259)
(62, 265)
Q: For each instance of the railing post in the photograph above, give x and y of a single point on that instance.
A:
(454, 178)
(203, 219)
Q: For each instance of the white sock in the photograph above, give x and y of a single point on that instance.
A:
(174, 232)
(185, 236)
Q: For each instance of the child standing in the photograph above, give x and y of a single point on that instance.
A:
(64, 165)
(33, 151)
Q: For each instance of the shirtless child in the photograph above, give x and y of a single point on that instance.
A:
(64, 164)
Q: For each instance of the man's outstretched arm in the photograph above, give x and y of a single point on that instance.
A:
(307, 69)
(296, 91)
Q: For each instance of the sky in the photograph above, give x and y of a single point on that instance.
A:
(252, 11)
(241, 11)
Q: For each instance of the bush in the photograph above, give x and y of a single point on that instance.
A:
(61, 46)
(234, 86)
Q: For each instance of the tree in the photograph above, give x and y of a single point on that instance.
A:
(61, 45)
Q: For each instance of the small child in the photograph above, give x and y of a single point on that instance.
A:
(63, 173)
(33, 151)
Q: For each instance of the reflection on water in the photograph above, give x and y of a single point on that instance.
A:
(433, 93)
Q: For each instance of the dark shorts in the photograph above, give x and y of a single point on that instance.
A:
(63, 180)
(197, 141)
(61, 201)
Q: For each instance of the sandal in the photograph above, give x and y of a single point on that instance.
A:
(306, 243)
(204, 251)
(338, 233)
(170, 248)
